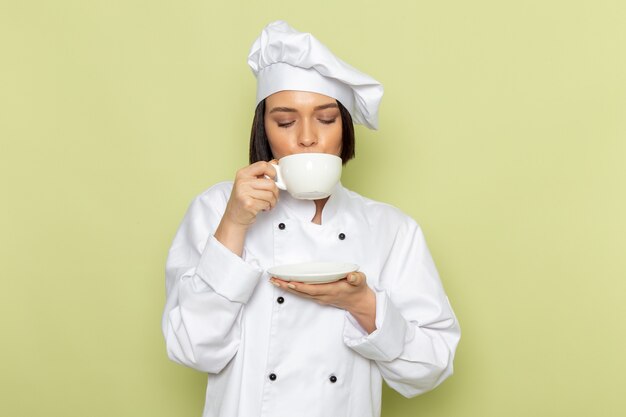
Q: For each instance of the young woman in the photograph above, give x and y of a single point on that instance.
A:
(277, 348)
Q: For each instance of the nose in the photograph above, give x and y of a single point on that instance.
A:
(308, 136)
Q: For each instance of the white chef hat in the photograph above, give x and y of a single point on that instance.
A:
(282, 58)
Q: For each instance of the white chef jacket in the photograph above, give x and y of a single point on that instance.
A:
(273, 354)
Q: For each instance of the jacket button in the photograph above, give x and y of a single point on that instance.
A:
(280, 300)
(342, 236)
(272, 377)
(281, 226)
(333, 379)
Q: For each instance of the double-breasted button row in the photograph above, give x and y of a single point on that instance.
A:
(341, 236)
(273, 377)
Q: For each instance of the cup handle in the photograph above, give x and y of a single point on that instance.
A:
(280, 183)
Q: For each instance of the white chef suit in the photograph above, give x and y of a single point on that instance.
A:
(271, 353)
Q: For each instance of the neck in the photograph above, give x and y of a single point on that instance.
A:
(319, 206)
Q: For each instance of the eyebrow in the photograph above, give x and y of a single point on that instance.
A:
(291, 110)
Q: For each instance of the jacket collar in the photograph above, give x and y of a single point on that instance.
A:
(304, 210)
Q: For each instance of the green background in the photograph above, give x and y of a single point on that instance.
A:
(502, 131)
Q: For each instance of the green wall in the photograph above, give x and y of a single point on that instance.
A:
(502, 131)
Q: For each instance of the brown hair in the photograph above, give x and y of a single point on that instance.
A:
(260, 147)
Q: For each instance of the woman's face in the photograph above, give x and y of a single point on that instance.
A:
(300, 121)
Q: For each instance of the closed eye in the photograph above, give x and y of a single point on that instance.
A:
(285, 124)
(328, 121)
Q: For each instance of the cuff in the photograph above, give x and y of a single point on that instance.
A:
(226, 273)
(386, 343)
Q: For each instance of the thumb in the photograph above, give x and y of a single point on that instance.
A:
(355, 279)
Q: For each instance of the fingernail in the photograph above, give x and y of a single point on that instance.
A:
(351, 278)
(291, 286)
(274, 283)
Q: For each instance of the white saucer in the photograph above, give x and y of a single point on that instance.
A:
(313, 272)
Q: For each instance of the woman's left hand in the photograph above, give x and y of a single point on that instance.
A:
(350, 293)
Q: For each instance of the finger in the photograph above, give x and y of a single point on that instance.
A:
(294, 289)
(262, 195)
(304, 291)
(253, 205)
(261, 191)
(264, 184)
(290, 286)
(278, 282)
(259, 169)
(256, 183)
(286, 285)
(314, 290)
(275, 281)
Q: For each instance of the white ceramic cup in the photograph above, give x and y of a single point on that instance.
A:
(308, 176)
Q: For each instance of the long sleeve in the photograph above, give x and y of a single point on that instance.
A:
(416, 330)
(207, 287)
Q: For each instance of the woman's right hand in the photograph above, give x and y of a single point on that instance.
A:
(252, 192)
